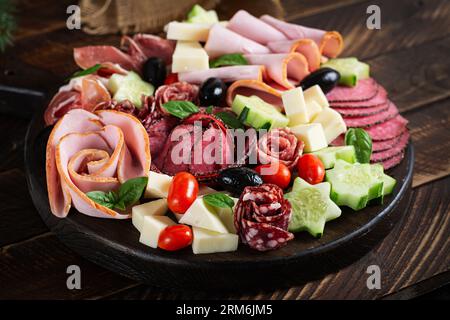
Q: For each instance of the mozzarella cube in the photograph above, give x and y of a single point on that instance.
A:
(202, 215)
(189, 56)
(226, 215)
(153, 208)
(295, 107)
(158, 185)
(207, 241)
(152, 228)
(188, 31)
(313, 109)
(312, 135)
(316, 94)
(332, 122)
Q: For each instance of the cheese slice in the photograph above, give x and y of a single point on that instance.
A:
(158, 185)
(295, 106)
(332, 122)
(152, 228)
(207, 241)
(189, 56)
(312, 135)
(202, 215)
(316, 94)
(153, 208)
(188, 31)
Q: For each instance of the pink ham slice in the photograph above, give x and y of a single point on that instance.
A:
(286, 69)
(330, 43)
(253, 28)
(368, 121)
(268, 93)
(227, 74)
(306, 47)
(86, 57)
(224, 41)
(90, 152)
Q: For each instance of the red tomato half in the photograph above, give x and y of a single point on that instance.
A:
(171, 78)
(175, 237)
(182, 192)
(280, 177)
(310, 169)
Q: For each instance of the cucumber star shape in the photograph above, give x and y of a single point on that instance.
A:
(311, 207)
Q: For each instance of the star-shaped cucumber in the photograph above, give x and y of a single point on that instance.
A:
(311, 207)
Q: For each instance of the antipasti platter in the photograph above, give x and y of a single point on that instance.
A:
(227, 154)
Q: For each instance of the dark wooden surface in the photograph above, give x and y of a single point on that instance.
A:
(409, 55)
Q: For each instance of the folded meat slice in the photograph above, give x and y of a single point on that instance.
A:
(227, 74)
(330, 42)
(286, 69)
(306, 47)
(224, 41)
(269, 93)
(154, 46)
(86, 57)
(253, 28)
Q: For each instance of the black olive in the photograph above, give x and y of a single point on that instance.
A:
(326, 78)
(212, 92)
(154, 71)
(235, 180)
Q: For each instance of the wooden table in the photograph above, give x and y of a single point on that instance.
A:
(409, 56)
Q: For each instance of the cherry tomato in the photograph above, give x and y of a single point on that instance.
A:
(171, 78)
(175, 237)
(182, 192)
(310, 169)
(281, 177)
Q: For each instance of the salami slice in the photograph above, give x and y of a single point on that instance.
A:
(365, 90)
(391, 152)
(368, 121)
(392, 162)
(379, 99)
(378, 146)
(182, 91)
(361, 112)
(261, 217)
(389, 129)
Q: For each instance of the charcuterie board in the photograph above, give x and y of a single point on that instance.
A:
(114, 244)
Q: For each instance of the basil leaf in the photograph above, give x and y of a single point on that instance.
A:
(87, 71)
(232, 59)
(100, 197)
(362, 143)
(230, 120)
(209, 110)
(243, 115)
(180, 109)
(220, 200)
(131, 191)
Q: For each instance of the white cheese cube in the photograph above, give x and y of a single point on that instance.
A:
(206, 241)
(178, 216)
(202, 215)
(152, 228)
(153, 208)
(189, 56)
(188, 31)
(158, 185)
(332, 122)
(295, 107)
(315, 93)
(313, 109)
(226, 215)
(312, 135)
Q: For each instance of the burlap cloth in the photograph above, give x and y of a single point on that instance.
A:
(131, 16)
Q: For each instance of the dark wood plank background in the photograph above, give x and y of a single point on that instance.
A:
(409, 55)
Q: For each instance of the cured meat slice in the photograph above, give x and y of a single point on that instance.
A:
(393, 151)
(392, 162)
(330, 42)
(378, 146)
(255, 87)
(253, 28)
(181, 91)
(261, 217)
(227, 74)
(368, 121)
(365, 90)
(286, 69)
(379, 99)
(306, 47)
(361, 112)
(223, 41)
(154, 46)
(86, 57)
(389, 129)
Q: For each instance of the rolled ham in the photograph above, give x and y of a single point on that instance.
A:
(227, 74)
(330, 43)
(224, 41)
(307, 47)
(269, 93)
(253, 28)
(93, 152)
(286, 69)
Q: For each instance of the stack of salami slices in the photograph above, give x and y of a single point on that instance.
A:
(367, 106)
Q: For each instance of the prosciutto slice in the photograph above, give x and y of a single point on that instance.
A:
(224, 41)
(269, 93)
(86, 57)
(227, 74)
(93, 152)
(286, 69)
(330, 43)
(307, 47)
(253, 28)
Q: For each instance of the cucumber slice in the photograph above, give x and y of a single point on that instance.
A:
(200, 15)
(329, 155)
(130, 87)
(353, 185)
(350, 69)
(311, 207)
(388, 182)
(260, 112)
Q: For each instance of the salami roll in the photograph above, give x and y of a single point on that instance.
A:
(178, 91)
